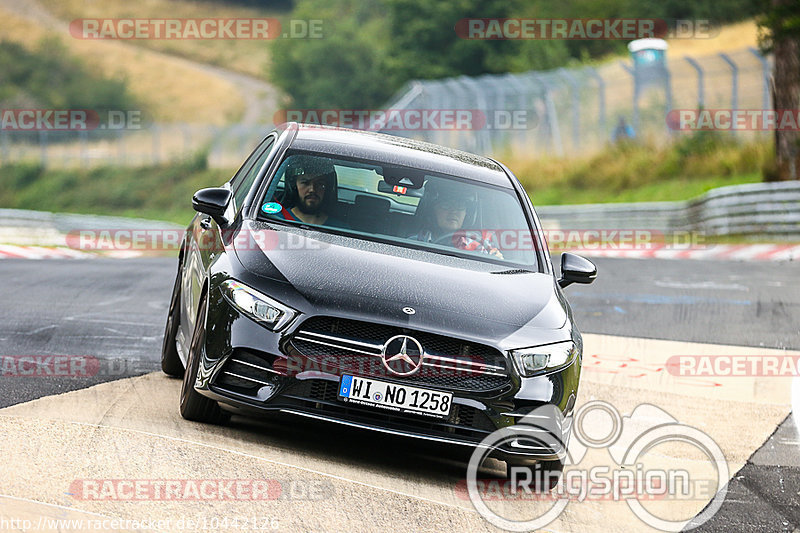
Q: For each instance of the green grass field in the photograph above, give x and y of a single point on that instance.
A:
(668, 190)
(159, 193)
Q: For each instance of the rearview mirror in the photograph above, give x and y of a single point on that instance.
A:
(212, 201)
(400, 190)
(576, 269)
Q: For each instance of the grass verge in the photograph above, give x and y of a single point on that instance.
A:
(633, 172)
(159, 193)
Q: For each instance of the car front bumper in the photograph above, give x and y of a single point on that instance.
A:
(313, 393)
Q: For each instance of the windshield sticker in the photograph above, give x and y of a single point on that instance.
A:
(272, 207)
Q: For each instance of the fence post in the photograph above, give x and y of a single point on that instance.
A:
(120, 147)
(498, 88)
(84, 156)
(700, 82)
(552, 114)
(765, 77)
(4, 145)
(484, 142)
(438, 102)
(576, 105)
(522, 101)
(635, 118)
(43, 148)
(601, 98)
(735, 83)
(156, 145)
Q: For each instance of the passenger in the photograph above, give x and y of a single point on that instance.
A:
(446, 208)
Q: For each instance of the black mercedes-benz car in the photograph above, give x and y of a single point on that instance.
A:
(377, 282)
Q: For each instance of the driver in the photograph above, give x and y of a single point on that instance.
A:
(449, 204)
(310, 193)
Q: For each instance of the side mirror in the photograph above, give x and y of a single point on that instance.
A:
(213, 201)
(576, 269)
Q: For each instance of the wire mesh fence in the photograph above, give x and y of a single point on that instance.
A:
(580, 110)
(561, 112)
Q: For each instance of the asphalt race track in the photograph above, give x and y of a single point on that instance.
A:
(123, 424)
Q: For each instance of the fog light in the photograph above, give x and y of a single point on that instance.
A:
(267, 391)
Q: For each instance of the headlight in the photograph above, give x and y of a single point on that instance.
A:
(257, 306)
(531, 361)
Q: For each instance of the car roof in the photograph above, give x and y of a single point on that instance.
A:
(390, 149)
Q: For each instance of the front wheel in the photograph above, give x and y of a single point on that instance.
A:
(195, 406)
(171, 363)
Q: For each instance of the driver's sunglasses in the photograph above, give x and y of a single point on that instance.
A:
(453, 204)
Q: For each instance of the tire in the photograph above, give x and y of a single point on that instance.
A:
(171, 363)
(194, 406)
(549, 471)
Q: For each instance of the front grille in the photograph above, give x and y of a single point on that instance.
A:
(322, 396)
(353, 346)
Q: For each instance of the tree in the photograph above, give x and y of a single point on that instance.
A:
(342, 70)
(779, 27)
(424, 43)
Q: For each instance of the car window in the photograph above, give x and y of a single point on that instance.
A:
(406, 206)
(241, 183)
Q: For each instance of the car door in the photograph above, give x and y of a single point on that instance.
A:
(204, 238)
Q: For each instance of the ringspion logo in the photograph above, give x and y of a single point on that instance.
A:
(635, 477)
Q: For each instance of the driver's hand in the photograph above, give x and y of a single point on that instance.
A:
(495, 252)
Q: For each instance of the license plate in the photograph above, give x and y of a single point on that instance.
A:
(394, 397)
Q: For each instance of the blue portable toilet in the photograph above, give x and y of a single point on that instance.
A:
(649, 70)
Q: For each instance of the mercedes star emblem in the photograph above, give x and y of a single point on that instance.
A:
(402, 355)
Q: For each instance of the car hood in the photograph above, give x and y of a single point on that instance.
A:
(375, 281)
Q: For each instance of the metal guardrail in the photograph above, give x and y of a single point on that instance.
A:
(66, 222)
(650, 215)
(753, 210)
(757, 209)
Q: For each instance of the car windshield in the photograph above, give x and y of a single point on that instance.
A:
(401, 205)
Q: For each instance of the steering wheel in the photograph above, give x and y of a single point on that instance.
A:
(443, 239)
